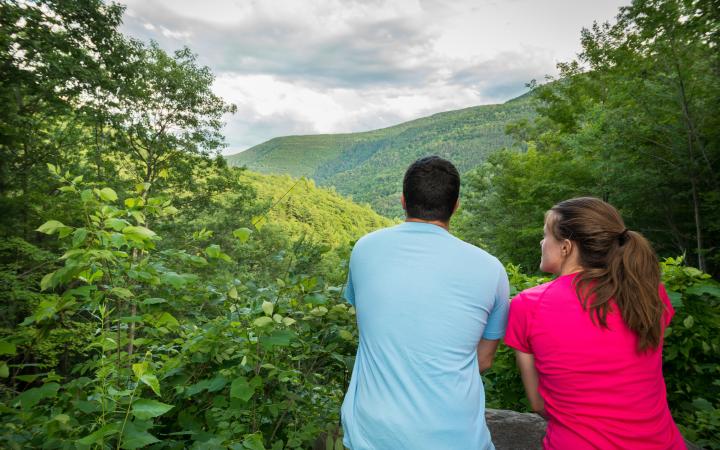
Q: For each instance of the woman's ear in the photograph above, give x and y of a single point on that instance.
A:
(566, 247)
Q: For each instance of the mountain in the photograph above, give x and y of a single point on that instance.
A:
(368, 166)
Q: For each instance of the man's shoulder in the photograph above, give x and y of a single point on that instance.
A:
(476, 253)
(376, 235)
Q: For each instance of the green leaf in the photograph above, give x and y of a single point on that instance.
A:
(145, 408)
(242, 234)
(153, 301)
(122, 292)
(241, 388)
(79, 236)
(107, 194)
(676, 299)
(138, 233)
(134, 437)
(702, 404)
(213, 251)
(279, 338)
(268, 308)
(140, 369)
(173, 279)
(33, 396)
(62, 418)
(165, 319)
(689, 321)
(345, 334)
(7, 348)
(253, 442)
(4, 370)
(319, 311)
(262, 321)
(704, 288)
(51, 226)
(97, 436)
(288, 321)
(86, 196)
(116, 224)
(233, 293)
(152, 381)
(315, 299)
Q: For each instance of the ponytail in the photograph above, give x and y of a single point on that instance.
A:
(618, 265)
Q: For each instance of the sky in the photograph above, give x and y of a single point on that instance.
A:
(339, 66)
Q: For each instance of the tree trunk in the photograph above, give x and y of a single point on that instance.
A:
(698, 228)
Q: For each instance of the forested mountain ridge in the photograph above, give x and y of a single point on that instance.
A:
(368, 166)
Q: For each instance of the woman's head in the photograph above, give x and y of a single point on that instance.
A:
(587, 225)
(616, 264)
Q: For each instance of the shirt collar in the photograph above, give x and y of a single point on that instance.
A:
(423, 226)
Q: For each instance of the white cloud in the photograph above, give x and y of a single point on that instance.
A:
(320, 66)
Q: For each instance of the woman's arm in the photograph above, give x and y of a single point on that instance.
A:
(529, 375)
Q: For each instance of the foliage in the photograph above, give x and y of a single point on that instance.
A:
(506, 199)
(692, 345)
(227, 362)
(634, 120)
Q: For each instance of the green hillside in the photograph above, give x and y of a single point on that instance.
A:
(368, 166)
(301, 208)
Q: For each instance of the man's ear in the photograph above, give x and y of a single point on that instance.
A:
(402, 201)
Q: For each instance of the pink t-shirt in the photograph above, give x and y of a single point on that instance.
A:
(599, 392)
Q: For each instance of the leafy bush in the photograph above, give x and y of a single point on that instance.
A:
(167, 350)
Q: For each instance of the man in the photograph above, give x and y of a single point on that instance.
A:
(430, 311)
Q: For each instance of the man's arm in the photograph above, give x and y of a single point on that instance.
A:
(486, 353)
(529, 375)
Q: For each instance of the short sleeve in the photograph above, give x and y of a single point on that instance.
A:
(517, 335)
(497, 320)
(669, 310)
(349, 293)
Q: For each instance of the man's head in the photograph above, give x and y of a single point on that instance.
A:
(430, 189)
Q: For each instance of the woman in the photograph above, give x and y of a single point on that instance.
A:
(589, 343)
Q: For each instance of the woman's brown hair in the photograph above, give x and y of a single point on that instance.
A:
(618, 264)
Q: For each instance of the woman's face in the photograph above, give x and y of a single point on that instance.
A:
(552, 257)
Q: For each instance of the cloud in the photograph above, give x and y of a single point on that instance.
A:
(348, 44)
(327, 66)
(504, 76)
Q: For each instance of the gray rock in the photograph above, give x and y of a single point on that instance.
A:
(511, 430)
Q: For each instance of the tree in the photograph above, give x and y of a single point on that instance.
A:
(166, 112)
(640, 108)
(55, 57)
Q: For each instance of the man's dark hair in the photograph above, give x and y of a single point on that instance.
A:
(431, 187)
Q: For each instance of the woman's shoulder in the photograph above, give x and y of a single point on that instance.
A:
(535, 293)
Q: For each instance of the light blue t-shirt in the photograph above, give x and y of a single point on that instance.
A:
(424, 299)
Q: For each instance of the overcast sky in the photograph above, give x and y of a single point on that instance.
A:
(331, 66)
